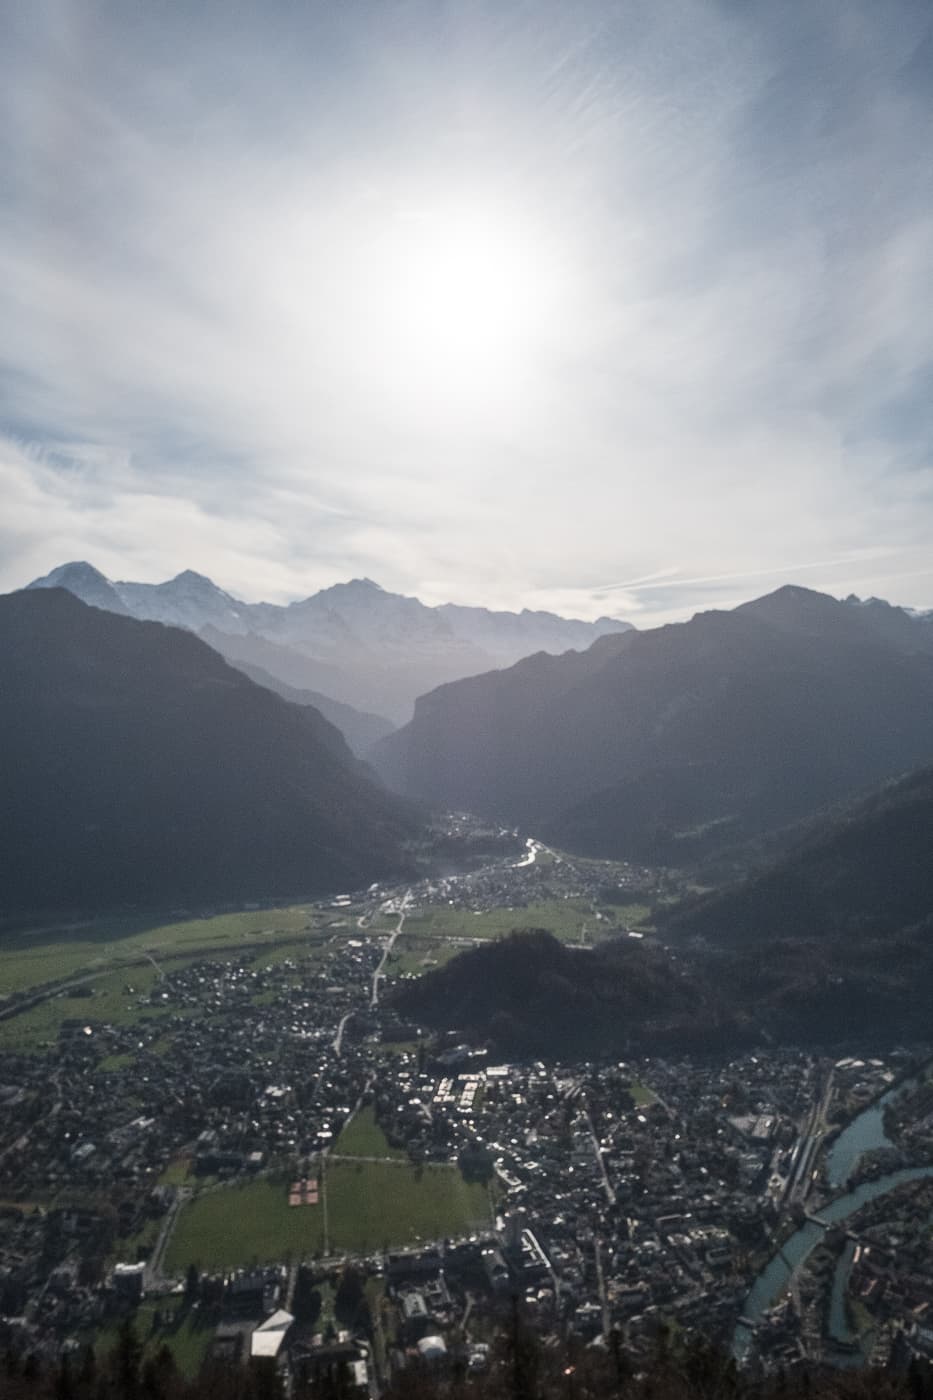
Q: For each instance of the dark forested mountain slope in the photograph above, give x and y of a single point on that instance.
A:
(528, 994)
(138, 767)
(667, 744)
(865, 871)
(835, 940)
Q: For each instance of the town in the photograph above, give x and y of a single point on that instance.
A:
(249, 1153)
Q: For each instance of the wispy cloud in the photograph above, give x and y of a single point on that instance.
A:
(216, 351)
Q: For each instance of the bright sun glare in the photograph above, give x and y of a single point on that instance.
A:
(460, 300)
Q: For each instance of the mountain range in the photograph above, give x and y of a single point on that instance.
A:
(139, 768)
(668, 744)
(354, 642)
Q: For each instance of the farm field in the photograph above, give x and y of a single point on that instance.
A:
(114, 997)
(420, 954)
(435, 935)
(563, 917)
(32, 958)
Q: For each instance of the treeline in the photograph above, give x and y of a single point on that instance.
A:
(522, 1367)
(528, 994)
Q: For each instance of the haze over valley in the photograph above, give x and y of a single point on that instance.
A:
(466, 700)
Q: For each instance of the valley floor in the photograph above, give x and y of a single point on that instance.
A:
(226, 1100)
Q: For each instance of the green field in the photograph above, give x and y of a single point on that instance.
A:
(118, 962)
(177, 1173)
(421, 954)
(435, 935)
(632, 915)
(563, 917)
(112, 1063)
(117, 998)
(34, 957)
(186, 1334)
(369, 1204)
(234, 1226)
(363, 1137)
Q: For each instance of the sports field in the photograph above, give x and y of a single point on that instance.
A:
(373, 1204)
(368, 1205)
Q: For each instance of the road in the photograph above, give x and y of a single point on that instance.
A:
(390, 944)
(601, 1284)
(610, 1194)
(337, 1041)
(153, 1277)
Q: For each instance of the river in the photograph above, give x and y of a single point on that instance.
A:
(863, 1134)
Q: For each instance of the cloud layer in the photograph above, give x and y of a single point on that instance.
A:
(600, 307)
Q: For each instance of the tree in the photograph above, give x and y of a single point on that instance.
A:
(350, 1304)
(64, 1381)
(192, 1284)
(127, 1355)
(306, 1300)
(158, 1374)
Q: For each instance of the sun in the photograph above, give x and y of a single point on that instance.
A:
(462, 298)
(466, 281)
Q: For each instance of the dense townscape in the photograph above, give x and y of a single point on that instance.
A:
(253, 1155)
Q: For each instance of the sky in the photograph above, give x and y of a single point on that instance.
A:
(610, 308)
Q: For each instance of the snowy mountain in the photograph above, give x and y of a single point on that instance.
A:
(188, 600)
(354, 642)
(86, 583)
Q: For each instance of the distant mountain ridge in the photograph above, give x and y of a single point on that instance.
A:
(361, 730)
(138, 768)
(665, 745)
(377, 650)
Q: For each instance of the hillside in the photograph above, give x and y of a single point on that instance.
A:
(865, 871)
(354, 642)
(838, 934)
(361, 730)
(529, 994)
(666, 745)
(139, 768)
